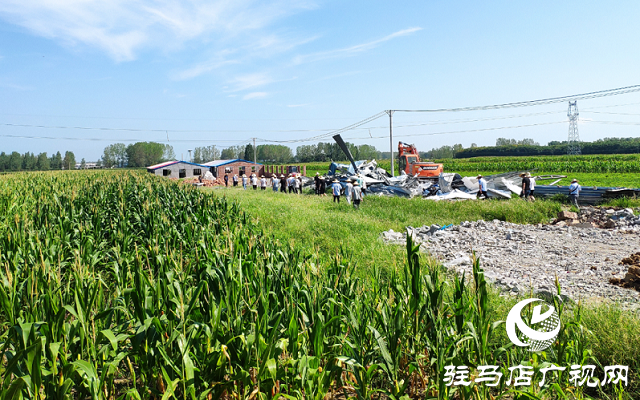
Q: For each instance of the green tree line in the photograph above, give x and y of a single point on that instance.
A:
(528, 147)
(331, 152)
(30, 162)
(140, 154)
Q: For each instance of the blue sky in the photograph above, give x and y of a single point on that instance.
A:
(193, 73)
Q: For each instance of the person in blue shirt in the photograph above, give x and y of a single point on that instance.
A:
(574, 192)
(482, 187)
(244, 181)
(336, 188)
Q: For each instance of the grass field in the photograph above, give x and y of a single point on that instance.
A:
(124, 285)
(317, 225)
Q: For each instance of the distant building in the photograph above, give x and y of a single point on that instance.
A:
(178, 169)
(87, 165)
(232, 167)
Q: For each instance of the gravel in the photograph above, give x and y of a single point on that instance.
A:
(524, 258)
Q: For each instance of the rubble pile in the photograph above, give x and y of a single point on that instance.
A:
(205, 182)
(527, 258)
(592, 217)
(448, 186)
(631, 279)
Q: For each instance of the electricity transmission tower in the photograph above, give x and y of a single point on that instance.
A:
(573, 143)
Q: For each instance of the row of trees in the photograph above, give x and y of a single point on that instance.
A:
(30, 162)
(531, 148)
(331, 151)
(140, 154)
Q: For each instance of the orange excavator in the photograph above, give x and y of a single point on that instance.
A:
(410, 163)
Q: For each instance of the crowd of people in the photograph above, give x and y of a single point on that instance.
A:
(353, 191)
(356, 187)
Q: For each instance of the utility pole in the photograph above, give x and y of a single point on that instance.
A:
(390, 112)
(189, 155)
(255, 152)
(573, 142)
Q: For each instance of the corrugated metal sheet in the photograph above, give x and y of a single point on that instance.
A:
(588, 194)
(166, 164)
(218, 163)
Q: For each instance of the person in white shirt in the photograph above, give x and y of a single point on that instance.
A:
(254, 181)
(296, 185)
(263, 183)
(532, 186)
(348, 189)
(356, 192)
(245, 180)
(482, 187)
(274, 182)
(574, 193)
(300, 184)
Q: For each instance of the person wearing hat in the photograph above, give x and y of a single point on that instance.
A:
(348, 189)
(245, 180)
(322, 191)
(299, 184)
(532, 187)
(283, 184)
(263, 183)
(336, 188)
(316, 181)
(482, 187)
(574, 193)
(254, 181)
(235, 180)
(526, 185)
(290, 180)
(356, 194)
(362, 183)
(274, 182)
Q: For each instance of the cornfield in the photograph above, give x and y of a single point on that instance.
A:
(121, 285)
(626, 163)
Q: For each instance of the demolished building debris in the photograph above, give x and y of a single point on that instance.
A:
(452, 186)
(524, 258)
(631, 278)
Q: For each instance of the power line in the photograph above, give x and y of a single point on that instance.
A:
(611, 122)
(162, 130)
(611, 113)
(452, 132)
(328, 131)
(575, 97)
(615, 105)
(332, 132)
(109, 139)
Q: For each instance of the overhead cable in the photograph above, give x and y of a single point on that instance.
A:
(584, 96)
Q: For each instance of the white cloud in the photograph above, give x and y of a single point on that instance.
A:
(122, 28)
(349, 51)
(254, 95)
(249, 81)
(202, 68)
(263, 46)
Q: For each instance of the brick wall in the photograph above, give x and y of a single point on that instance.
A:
(235, 168)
